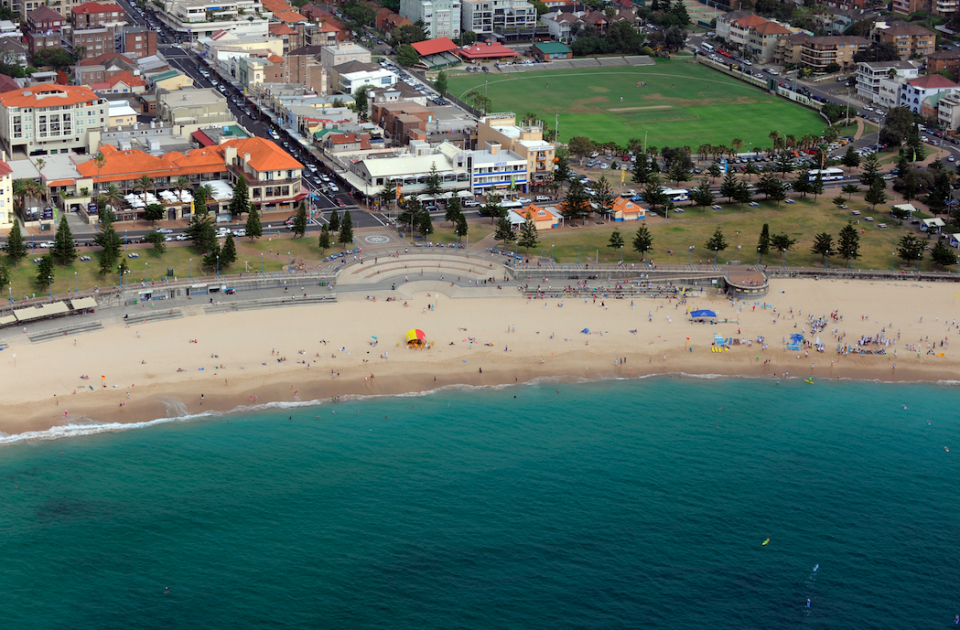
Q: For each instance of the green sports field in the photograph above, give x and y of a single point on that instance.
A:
(684, 104)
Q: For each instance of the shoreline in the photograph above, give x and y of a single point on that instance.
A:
(652, 338)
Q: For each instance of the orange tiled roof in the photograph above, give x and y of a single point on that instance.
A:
(289, 16)
(5, 169)
(624, 205)
(277, 5)
(281, 29)
(126, 78)
(48, 95)
(535, 212)
(103, 59)
(264, 154)
(275, 58)
(750, 20)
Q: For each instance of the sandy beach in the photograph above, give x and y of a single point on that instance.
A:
(319, 352)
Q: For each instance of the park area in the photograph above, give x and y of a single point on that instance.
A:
(801, 221)
(681, 103)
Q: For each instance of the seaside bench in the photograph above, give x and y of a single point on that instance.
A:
(66, 331)
(278, 302)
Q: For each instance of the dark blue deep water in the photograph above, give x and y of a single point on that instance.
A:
(639, 504)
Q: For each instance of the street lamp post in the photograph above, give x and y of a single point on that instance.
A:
(75, 282)
(147, 272)
(261, 263)
(758, 257)
(826, 265)
(892, 254)
(120, 273)
(919, 256)
(218, 265)
(50, 281)
(716, 253)
(191, 267)
(621, 254)
(552, 258)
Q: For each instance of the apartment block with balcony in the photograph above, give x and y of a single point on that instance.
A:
(195, 19)
(524, 140)
(137, 42)
(818, 53)
(871, 73)
(948, 112)
(193, 109)
(915, 91)
(93, 42)
(935, 7)
(485, 17)
(6, 194)
(442, 17)
(910, 40)
(49, 118)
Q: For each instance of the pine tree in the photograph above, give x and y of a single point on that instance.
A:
(200, 200)
(64, 251)
(453, 210)
(851, 159)
(346, 229)
(743, 194)
(782, 243)
(5, 273)
(575, 205)
(241, 197)
(643, 241)
(871, 171)
(816, 186)
(16, 248)
(702, 195)
(440, 83)
(253, 227)
(109, 242)
(802, 184)
(653, 193)
(777, 191)
(334, 221)
(616, 239)
(763, 245)
(434, 186)
(678, 171)
(717, 242)
(528, 235)
(822, 245)
(715, 169)
(425, 224)
(299, 227)
(604, 196)
(504, 231)
(211, 260)
(562, 172)
(941, 255)
(848, 245)
(728, 188)
(228, 255)
(324, 243)
(201, 232)
(45, 272)
(875, 196)
(159, 241)
(462, 228)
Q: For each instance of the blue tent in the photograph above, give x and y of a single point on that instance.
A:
(585, 331)
(699, 314)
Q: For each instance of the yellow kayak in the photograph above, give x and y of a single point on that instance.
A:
(765, 542)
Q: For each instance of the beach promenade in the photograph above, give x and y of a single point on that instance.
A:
(481, 330)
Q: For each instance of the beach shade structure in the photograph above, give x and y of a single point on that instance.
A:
(585, 331)
(416, 338)
(465, 194)
(702, 314)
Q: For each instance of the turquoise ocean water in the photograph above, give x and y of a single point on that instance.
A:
(637, 504)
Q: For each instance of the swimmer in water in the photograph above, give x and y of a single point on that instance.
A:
(815, 567)
(166, 590)
(808, 602)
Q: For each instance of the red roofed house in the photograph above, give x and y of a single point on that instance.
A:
(100, 69)
(543, 218)
(913, 93)
(626, 210)
(7, 84)
(290, 17)
(126, 83)
(95, 15)
(487, 50)
(387, 20)
(434, 46)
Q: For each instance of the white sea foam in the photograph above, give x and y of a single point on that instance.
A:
(86, 426)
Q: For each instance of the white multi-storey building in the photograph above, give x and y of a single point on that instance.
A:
(442, 17)
(486, 16)
(50, 118)
(870, 74)
(6, 194)
(203, 18)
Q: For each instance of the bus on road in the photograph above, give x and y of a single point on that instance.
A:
(707, 47)
(828, 174)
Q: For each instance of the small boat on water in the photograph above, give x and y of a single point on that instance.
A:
(809, 380)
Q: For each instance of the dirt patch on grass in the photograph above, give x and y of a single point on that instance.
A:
(637, 109)
(599, 89)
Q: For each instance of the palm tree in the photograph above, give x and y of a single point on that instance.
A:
(112, 196)
(99, 159)
(180, 185)
(23, 188)
(702, 151)
(791, 141)
(737, 144)
(775, 137)
(144, 185)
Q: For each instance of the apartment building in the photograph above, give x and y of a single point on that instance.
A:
(193, 109)
(442, 17)
(910, 40)
(351, 76)
(762, 40)
(342, 52)
(948, 60)
(818, 53)
(936, 7)
(99, 69)
(95, 15)
(948, 112)
(194, 19)
(137, 42)
(62, 7)
(871, 73)
(485, 17)
(49, 118)
(525, 140)
(93, 42)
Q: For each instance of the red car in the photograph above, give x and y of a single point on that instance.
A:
(340, 203)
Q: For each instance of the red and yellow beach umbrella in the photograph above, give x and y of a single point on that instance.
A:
(416, 338)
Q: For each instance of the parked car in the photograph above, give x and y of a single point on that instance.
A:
(541, 198)
(470, 203)
(182, 237)
(46, 245)
(165, 231)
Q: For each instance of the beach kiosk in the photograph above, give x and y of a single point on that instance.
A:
(416, 338)
(703, 316)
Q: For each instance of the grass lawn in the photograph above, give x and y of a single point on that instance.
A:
(87, 276)
(801, 221)
(685, 104)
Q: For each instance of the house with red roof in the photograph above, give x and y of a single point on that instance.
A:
(626, 210)
(915, 91)
(96, 14)
(487, 50)
(544, 218)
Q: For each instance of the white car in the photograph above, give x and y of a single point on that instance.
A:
(525, 200)
(46, 245)
(471, 203)
(182, 237)
(240, 233)
(541, 198)
(165, 231)
(312, 167)
(951, 159)
(333, 188)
